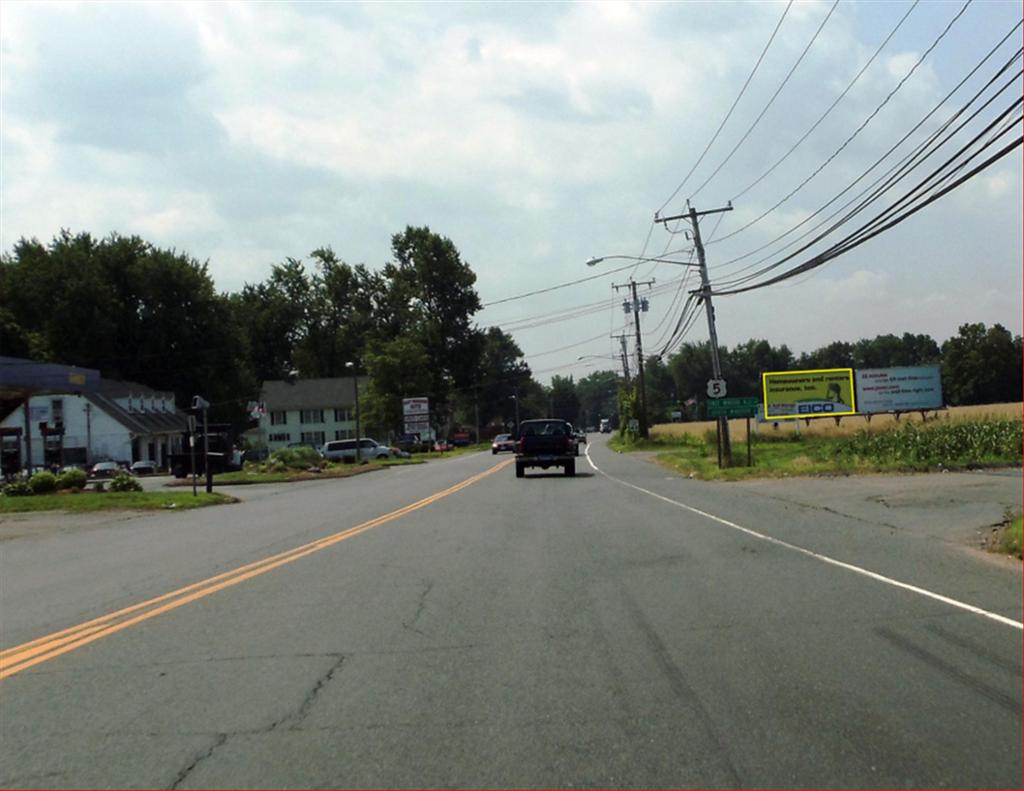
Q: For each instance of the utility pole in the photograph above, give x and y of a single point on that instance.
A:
(636, 306)
(705, 292)
(625, 358)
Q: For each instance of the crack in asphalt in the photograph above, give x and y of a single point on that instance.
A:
(829, 510)
(420, 606)
(307, 702)
(220, 739)
(290, 720)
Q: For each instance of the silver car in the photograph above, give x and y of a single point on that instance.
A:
(339, 449)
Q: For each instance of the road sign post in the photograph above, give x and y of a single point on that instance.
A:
(725, 408)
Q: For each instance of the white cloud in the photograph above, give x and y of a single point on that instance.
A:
(534, 135)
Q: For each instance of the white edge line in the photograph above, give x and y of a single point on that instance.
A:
(824, 558)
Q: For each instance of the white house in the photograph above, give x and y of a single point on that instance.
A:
(308, 411)
(120, 421)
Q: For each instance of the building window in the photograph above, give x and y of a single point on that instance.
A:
(342, 415)
(280, 437)
(313, 438)
(311, 416)
(344, 433)
(278, 418)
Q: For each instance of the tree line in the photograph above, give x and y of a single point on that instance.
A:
(141, 313)
(980, 365)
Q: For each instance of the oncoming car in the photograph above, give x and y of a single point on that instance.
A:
(503, 442)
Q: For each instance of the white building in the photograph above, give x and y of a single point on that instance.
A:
(120, 421)
(308, 411)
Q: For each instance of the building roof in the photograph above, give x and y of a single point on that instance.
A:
(147, 422)
(310, 393)
(21, 378)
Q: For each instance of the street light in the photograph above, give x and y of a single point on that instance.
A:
(598, 259)
(355, 389)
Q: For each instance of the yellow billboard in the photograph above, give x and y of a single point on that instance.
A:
(826, 392)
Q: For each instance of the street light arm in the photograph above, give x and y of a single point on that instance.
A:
(598, 259)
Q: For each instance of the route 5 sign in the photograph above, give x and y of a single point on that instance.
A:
(716, 388)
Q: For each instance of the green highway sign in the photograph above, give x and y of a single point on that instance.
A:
(733, 407)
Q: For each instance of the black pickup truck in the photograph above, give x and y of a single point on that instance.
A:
(545, 443)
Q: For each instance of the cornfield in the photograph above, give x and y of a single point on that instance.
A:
(849, 426)
(949, 442)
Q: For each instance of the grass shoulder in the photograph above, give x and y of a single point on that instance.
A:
(91, 501)
(256, 475)
(293, 468)
(1008, 541)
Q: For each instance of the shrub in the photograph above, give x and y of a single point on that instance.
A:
(72, 479)
(17, 489)
(123, 482)
(43, 483)
(295, 458)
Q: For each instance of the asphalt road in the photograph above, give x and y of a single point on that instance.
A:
(449, 625)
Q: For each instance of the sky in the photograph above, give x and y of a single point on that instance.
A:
(535, 136)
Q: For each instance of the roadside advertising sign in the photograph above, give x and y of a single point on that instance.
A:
(899, 389)
(733, 407)
(417, 425)
(825, 392)
(415, 407)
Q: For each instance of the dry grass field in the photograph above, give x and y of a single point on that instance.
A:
(826, 427)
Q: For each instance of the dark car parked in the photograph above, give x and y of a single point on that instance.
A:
(105, 469)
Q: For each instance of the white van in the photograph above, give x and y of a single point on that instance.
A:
(346, 449)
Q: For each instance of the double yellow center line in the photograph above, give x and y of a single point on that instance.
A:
(21, 657)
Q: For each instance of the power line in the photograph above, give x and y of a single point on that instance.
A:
(770, 102)
(725, 120)
(856, 132)
(604, 273)
(1006, 66)
(565, 348)
(575, 312)
(830, 108)
(885, 188)
(911, 160)
(881, 223)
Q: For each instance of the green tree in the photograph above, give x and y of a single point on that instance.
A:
(500, 374)
(565, 404)
(432, 287)
(598, 395)
(661, 391)
(397, 368)
(890, 351)
(690, 367)
(133, 311)
(981, 366)
(747, 361)
(838, 354)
